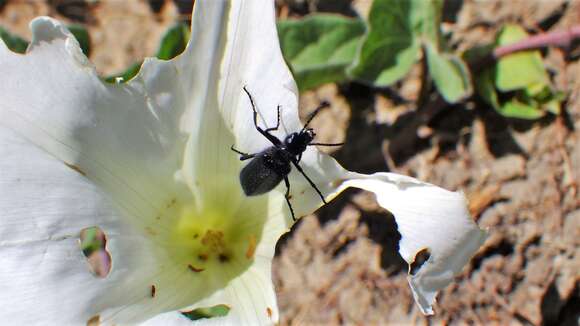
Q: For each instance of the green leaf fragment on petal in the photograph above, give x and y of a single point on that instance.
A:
(210, 312)
(518, 70)
(450, 74)
(320, 47)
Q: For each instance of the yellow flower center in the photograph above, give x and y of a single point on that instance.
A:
(214, 241)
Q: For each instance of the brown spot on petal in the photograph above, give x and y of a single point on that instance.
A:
(94, 321)
(150, 230)
(420, 258)
(251, 247)
(153, 291)
(223, 258)
(172, 203)
(202, 257)
(75, 168)
(269, 312)
(195, 269)
(337, 183)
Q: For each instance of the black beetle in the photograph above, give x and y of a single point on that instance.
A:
(272, 165)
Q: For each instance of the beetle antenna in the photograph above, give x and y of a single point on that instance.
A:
(322, 105)
(325, 144)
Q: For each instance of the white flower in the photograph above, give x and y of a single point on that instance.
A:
(149, 162)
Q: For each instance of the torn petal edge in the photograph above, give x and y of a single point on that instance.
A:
(427, 216)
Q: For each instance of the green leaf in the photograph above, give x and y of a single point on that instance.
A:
(552, 106)
(518, 70)
(320, 47)
(82, 36)
(173, 42)
(393, 42)
(450, 74)
(127, 74)
(91, 240)
(426, 20)
(519, 110)
(486, 89)
(201, 313)
(390, 47)
(522, 80)
(13, 42)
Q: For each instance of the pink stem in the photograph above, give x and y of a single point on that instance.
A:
(559, 38)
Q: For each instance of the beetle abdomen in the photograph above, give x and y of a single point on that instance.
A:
(257, 178)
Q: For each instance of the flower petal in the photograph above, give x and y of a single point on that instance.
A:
(173, 318)
(43, 207)
(209, 164)
(250, 297)
(233, 44)
(253, 59)
(112, 134)
(433, 223)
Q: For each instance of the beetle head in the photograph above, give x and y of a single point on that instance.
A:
(296, 142)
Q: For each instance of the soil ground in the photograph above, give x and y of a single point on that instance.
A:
(340, 265)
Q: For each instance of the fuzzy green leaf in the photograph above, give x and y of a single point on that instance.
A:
(450, 74)
(390, 47)
(393, 42)
(320, 47)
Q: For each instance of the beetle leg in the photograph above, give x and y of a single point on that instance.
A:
(277, 123)
(244, 156)
(299, 168)
(287, 196)
(271, 138)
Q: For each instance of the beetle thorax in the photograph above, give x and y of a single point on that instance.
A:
(296, 142)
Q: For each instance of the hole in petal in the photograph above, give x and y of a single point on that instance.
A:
(93, 244)
(420, 258)
(210, 312)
